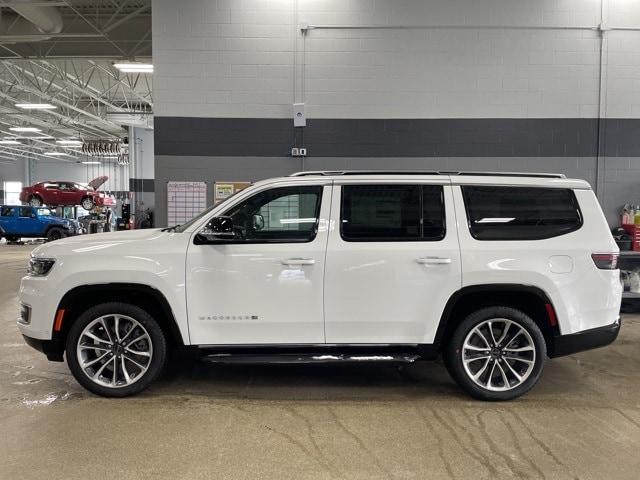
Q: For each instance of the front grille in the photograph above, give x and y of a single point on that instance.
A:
(25, 314)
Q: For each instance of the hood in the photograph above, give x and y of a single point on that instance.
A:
(99, 242)
(98, 182)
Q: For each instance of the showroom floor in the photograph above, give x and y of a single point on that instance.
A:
(279, 422)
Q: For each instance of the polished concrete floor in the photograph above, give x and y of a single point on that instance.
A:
(296, 422)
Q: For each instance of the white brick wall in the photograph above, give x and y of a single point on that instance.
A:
(234, 58)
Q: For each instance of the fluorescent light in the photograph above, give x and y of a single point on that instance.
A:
(35, 106)
(69, 142)
(90, 163)
(133, 67)
(10, 142)
(25, 129)
(55, 154)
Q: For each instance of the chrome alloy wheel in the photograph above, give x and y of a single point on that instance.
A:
(114, 350)
(498, 354)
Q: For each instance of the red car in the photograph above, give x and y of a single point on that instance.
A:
(55, 193)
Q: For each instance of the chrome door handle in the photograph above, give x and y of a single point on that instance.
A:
(298, 261)
(433, 260)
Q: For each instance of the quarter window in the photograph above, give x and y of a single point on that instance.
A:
(392, 213)
(287, 214)
(520, 213)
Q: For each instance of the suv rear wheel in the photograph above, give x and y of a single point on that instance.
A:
(116, 349)
(496, 353)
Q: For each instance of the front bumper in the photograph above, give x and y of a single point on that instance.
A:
(562, 345)
(53, 349)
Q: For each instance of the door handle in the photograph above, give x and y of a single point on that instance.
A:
(433, 260)
(298, 261)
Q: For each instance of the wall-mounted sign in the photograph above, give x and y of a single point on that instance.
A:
(185, 200)
(223, 190)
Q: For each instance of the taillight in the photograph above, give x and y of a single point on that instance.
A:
(605, 261)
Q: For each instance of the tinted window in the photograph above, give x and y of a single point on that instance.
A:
(25, 212)
(520, 213)
(392, 212)
(8, 211)
(288, 214)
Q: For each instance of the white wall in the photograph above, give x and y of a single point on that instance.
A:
(12, 171)
(230, 58)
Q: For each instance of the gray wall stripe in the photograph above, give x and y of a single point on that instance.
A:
(488, 137)
(138, 185)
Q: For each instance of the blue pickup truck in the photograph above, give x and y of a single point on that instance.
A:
(19, 221)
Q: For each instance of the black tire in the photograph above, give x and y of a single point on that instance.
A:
(35, 201)
(454, 354)
(55, 233)
(12, 238)
(158, 341)
(87, 203)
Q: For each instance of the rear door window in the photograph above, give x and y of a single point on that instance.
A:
(520, 213)
(25, 212)
(386, 213)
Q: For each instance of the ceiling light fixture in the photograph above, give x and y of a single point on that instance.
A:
(54, 154)
(90, 163)
(25, 129)
(35, 106)
(69, 142)
(10, 142)
(134, 67)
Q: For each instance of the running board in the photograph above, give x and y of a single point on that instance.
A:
(292, 358)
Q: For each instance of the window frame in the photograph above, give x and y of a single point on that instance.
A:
(30, 209)
(419, 238)
(572, 196)
(8, 207)
(314, 229)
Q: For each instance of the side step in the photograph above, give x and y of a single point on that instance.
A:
(297, 358)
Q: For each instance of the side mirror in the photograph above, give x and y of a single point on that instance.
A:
(258, 222)
(218, 228)
(33, 215)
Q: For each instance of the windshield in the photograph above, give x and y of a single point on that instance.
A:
(181, 228)
(184, 226)
(44, 212)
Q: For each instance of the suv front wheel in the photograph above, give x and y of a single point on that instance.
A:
(496, 353)
(116, 349)
(87, 203)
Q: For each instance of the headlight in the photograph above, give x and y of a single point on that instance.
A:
(39, 267)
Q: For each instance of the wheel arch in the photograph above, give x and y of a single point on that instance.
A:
(50, 226)
(530, 299)
(79, 299)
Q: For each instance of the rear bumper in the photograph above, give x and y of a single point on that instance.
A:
(562, 345)
(53, 349)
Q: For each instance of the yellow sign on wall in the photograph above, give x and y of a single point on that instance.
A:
(223, 190)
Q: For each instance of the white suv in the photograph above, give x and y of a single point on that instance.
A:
(495, 272)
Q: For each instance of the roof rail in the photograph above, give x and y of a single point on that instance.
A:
(400, 172)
